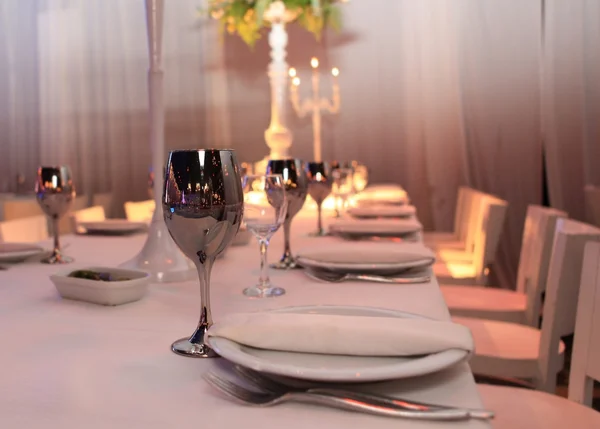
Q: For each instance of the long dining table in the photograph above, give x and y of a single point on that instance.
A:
(70, 364)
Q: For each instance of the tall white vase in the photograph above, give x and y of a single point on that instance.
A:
(278, 137)
(160, 256)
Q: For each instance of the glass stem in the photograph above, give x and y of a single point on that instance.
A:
(319, 219)
(264, 281)
(204, 270)
(287, 252)
(55, 227)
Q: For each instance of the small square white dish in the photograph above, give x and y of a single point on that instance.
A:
(102, 292)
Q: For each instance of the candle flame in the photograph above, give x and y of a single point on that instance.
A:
(335, 72)
(292, 72)
(296, 81)
(314, 62)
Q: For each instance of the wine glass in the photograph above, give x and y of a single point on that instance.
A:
(203, 207)
(343, 185)
(55, 193)
(265, 206)
(296, 189)
(319, 187)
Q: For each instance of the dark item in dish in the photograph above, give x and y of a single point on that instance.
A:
(96, 275)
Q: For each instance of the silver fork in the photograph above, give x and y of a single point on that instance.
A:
(266, 383)
(333, 277)
(266, 399)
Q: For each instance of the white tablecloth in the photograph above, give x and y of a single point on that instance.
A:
(67, 364)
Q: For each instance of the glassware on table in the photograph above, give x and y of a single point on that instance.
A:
(265, 207)
(319, 188)
(296, 189)
(203, 204)
(343, 186)
(361, 177)
(55, 193)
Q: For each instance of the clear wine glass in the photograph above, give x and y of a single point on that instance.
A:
(203, 204)
(265, 207)
(296, 189)
(319, 188)
(343, 186)
(55, 193)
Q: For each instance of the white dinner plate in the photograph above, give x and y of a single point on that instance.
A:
(375, 227)
(336, 368)
(379, 257)
(379, 210)
(112, 227)
(18, 252)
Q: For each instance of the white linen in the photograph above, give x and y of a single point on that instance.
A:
(367, 253)
(338, 335)
(376, 226)
(382, 210)
(113, 368)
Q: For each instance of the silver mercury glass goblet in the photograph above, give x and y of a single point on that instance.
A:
(55, 193)
(296, 189)
(203, 208)
(319, 188)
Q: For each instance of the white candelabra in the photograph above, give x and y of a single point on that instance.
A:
(160, 256)
(316, 104)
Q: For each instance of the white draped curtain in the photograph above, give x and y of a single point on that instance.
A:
(435, 94)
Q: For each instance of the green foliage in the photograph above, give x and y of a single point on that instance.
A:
(245, 17)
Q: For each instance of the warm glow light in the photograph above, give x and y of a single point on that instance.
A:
(292, 72)
(335, 72)
(296, 81)
(314, 62)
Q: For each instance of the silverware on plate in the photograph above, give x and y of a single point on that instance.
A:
(258, 398)
(268, 384)
(336, 277)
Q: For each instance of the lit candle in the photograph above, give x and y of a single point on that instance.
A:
(292, 72)
(314, 62)
(334, 71)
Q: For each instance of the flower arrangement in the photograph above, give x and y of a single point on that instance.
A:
(248, 17)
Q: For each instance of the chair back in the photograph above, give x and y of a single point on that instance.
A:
(585, 362)
(18, 208)
(490, 222)
(562, 293)
(139, 211)
(536, 249)
(463, 213)
(24, 230)
(91, 214)
(592, 204)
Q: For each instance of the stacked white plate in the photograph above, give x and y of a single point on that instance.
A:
(382, 258)
(382, 211)
(382, 194)
(112, 227)
(18, 252)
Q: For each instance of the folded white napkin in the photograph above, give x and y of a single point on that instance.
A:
(342, 335)
(376, 226)
(381, 210)
(367, 253)
(389, 193)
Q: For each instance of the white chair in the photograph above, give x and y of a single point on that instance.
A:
(458, 238)
(91, 214)
(139, 211)
(522, 305)
(105, 200)
(528, 409)
(18, 208)
(25, 230)
(510, 350)
(491, 214)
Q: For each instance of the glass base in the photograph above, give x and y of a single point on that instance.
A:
(268, 292)
(184, 347)
(57, 258)
(286, 264)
